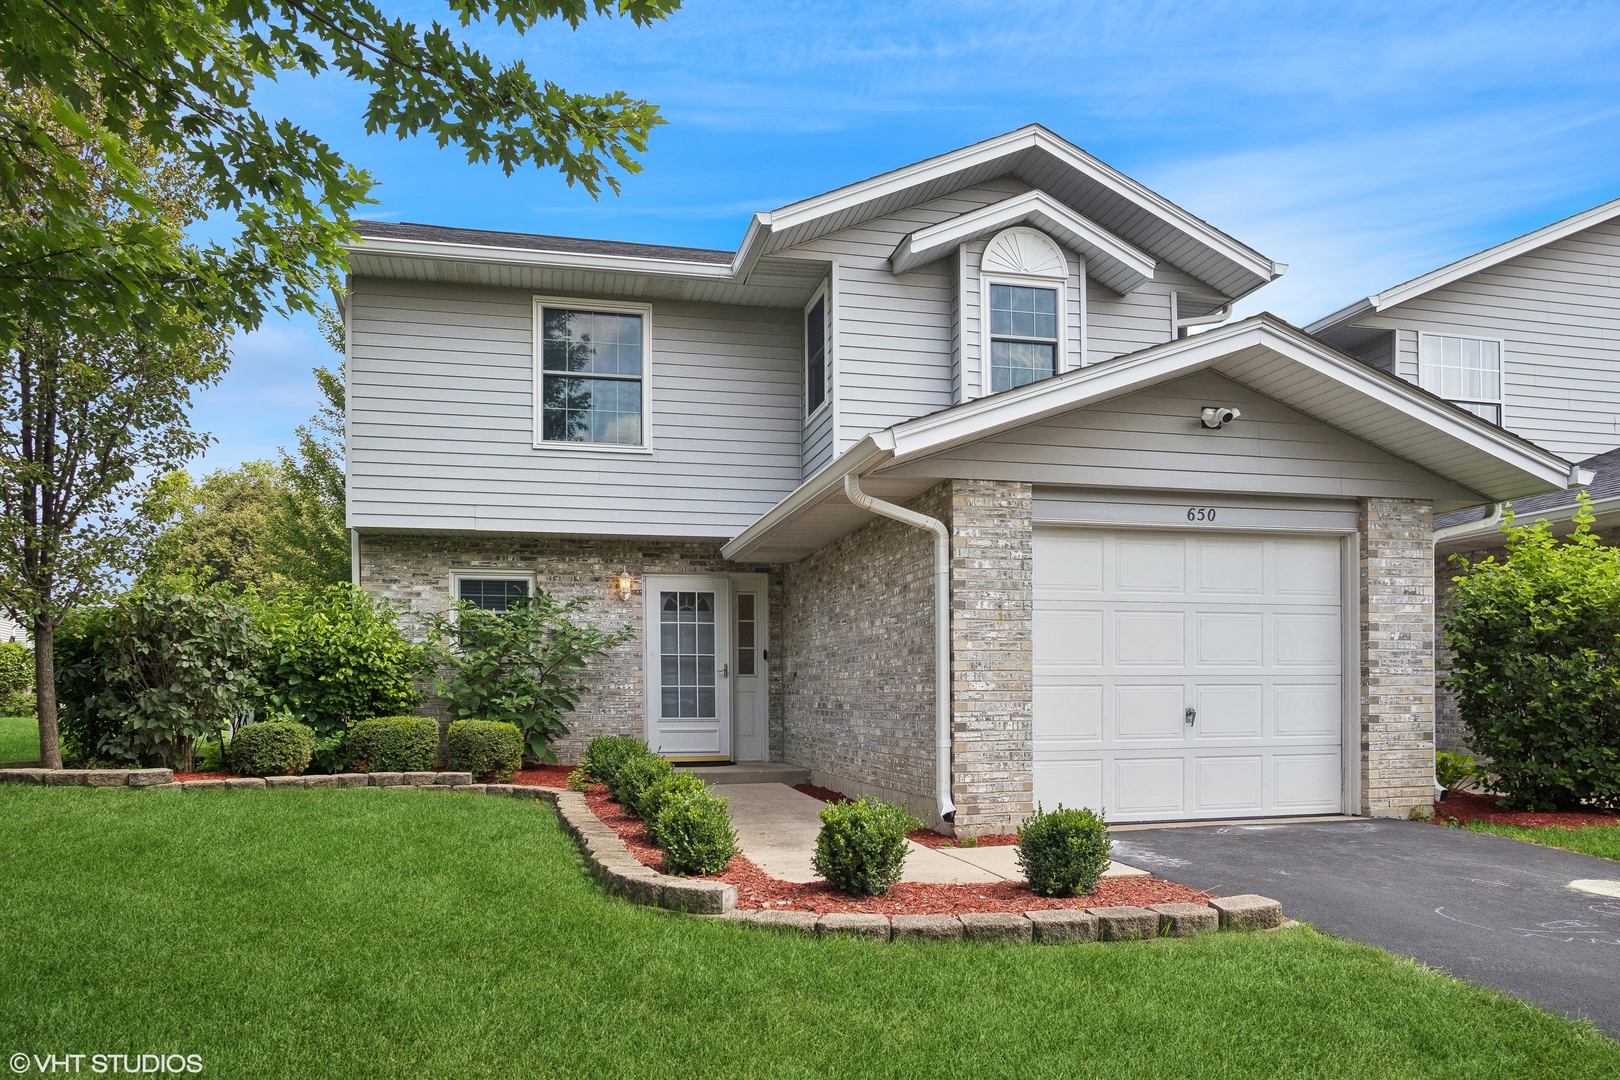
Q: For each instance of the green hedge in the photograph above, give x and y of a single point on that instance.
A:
(606, 753)
(394, 744)
(1063, 853)
(861, 848)
(491, 750)
(675, 785)
(272, 748)
(694, 829)
(636, 777)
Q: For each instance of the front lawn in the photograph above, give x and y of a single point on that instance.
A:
(1600, 840)
(377, 932)
(19, 738)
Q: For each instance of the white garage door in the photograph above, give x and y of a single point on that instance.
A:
(1187, 675)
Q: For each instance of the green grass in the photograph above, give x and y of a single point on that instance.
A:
(19, 738)
(1600, 840)
(369, 932)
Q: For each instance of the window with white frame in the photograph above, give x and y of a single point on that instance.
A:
(592, 364)
(1023, 335)
(815, 355)
(495, 594)
(1465, 371)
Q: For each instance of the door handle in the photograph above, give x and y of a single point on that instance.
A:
(725, 671)
(1192, 714)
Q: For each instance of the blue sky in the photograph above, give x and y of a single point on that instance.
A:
(1361, 144)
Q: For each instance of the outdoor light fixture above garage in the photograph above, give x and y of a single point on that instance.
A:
(1216, 417)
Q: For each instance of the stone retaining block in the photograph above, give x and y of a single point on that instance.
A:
(1185, 920)
(386, 779)
(283, 781)
(803, 922)
(203, 785)
(1125, 923)
(854, 923)
(106, 778)
(997, 928)
(1248, 912)
(148, 777)
(1063, 926)
(925, 927)
(244, 782)
(420, 779)
(697, 897)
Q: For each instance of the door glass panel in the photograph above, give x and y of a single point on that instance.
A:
(745, 633)
(687, 663)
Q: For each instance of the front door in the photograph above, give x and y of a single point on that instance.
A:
(689, 653)
(751, 700)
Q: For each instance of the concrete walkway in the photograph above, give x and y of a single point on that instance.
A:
(777, 827)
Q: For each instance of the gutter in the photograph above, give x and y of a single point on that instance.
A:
(942, 632)
(1219, 315)
(1492, 523)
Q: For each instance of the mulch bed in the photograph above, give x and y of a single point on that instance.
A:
(182, 777)
(544, 776)
(757, 889)
(1466, 807)
(926, 837)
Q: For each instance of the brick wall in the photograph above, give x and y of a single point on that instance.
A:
(1397, 656)
(416, 570)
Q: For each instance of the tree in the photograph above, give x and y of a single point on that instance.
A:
(217, 527)
(308, 541)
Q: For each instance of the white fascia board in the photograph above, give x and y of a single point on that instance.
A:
(1605, 511)
(504, 256)
(874, 450)
(1349, 313)
(1110, 260)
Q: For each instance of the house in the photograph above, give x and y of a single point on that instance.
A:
(1527, 335)
(926, 488)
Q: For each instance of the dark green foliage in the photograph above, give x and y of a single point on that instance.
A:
(16, 679)
(694, 829)
(520, 666)
(606, 753)
(861, 848)
(1063, 853)
(675, 785)
(1454, 770)
(636, 778)
(394, 744)
(272, 748)
(1535, 646)
(490, 750)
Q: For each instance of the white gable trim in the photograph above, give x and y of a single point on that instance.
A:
(1109, 260)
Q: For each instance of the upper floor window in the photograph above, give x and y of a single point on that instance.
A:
(1465, 371)
(592, 371)
(815, 355)
(1023, 335)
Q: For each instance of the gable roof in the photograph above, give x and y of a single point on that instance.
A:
(572, 245)
(1473, 264)
(1262, 352)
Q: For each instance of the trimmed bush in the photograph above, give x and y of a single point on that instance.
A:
(16, 679)
(672, 786)
(272, 748)
(1063, 853)
(694, 829)
(1454, 770)
(861, 848)
(489, 749)
(606, 753)
(636, 777)
(394, 744)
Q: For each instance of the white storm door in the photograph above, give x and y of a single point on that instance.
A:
(750, 697)
(689, 665)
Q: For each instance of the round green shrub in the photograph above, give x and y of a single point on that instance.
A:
(272, 748)
(16, 679)
(672, 786)
(694, 829)
(606, 753)
(636, 777)
(394, 744)
(1063, 853)
(861, 848)
(491, 750)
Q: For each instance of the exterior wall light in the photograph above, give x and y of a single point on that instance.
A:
(1216, 417)
(625, 584)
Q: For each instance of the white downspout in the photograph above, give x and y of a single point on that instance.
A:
(942, 632)
(1219, 315)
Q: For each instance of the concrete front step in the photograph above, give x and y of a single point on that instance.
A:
(749, 772)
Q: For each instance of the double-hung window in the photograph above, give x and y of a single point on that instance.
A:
(815, 355)
(1465, 371)
(1023, 335)
(592, 375)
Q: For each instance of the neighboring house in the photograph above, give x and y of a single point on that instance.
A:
(756, 457)
(11, 630)
(1527, 335)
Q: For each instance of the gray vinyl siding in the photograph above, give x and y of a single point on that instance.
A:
(1118, 325)
(1380, 353)
(818, 432)
(1557, 310)
(441, 419)
(1153, 439)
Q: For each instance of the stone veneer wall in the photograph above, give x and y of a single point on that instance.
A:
(1397, 656)
(992, 635)
(416, 570)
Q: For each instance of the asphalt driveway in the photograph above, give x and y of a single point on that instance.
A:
(1484, 908)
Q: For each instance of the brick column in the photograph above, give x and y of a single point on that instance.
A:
(992, 674)
(1397, 656)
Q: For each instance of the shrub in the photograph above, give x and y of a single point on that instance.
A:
(607, 752)
(16, 679)
(1454, 770)
(272, 748)
(490, 750)
(394, 744)
(1535, 644)
(636, 777)
(675, 785)
(861, 848)
(694, 829)
(1063, 853)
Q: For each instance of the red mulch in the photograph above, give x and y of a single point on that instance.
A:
(544, 776)
(926, 837)
(1467, 807)
(181, 777)
(757, 889)
(825, 794)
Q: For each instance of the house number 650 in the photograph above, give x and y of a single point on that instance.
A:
(1200, 513)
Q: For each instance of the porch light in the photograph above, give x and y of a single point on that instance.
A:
(625, 584)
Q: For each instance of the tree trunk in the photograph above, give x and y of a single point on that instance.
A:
(50, 743)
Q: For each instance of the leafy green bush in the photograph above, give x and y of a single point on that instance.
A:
(606, 753)
(1454, 770)
(394, 744)
(675, 785)
(1063, 853)
(1535, 646)
(491, 750)
(861, 848)
(272, 748)
(520, 666)
(694, 829)
(636, 778)
(16, 679)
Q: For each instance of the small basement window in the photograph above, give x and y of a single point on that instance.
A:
(1023, 335)
(1465, 371)
(491, 594)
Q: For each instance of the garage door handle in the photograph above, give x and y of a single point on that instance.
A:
(1192, 714)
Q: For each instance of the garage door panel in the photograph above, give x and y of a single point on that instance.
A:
(1149, 787)
(1068, 714)
(1307, 639)
(1155, 712)
(1069, 637)
(1230, 712)
(1229, 785)
(1305, 783)
(1150, 565)
(1074, 564)
(1231, 567)
(1149, 637)
(1308, 710)
(1229, 639)
(1307, 570)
